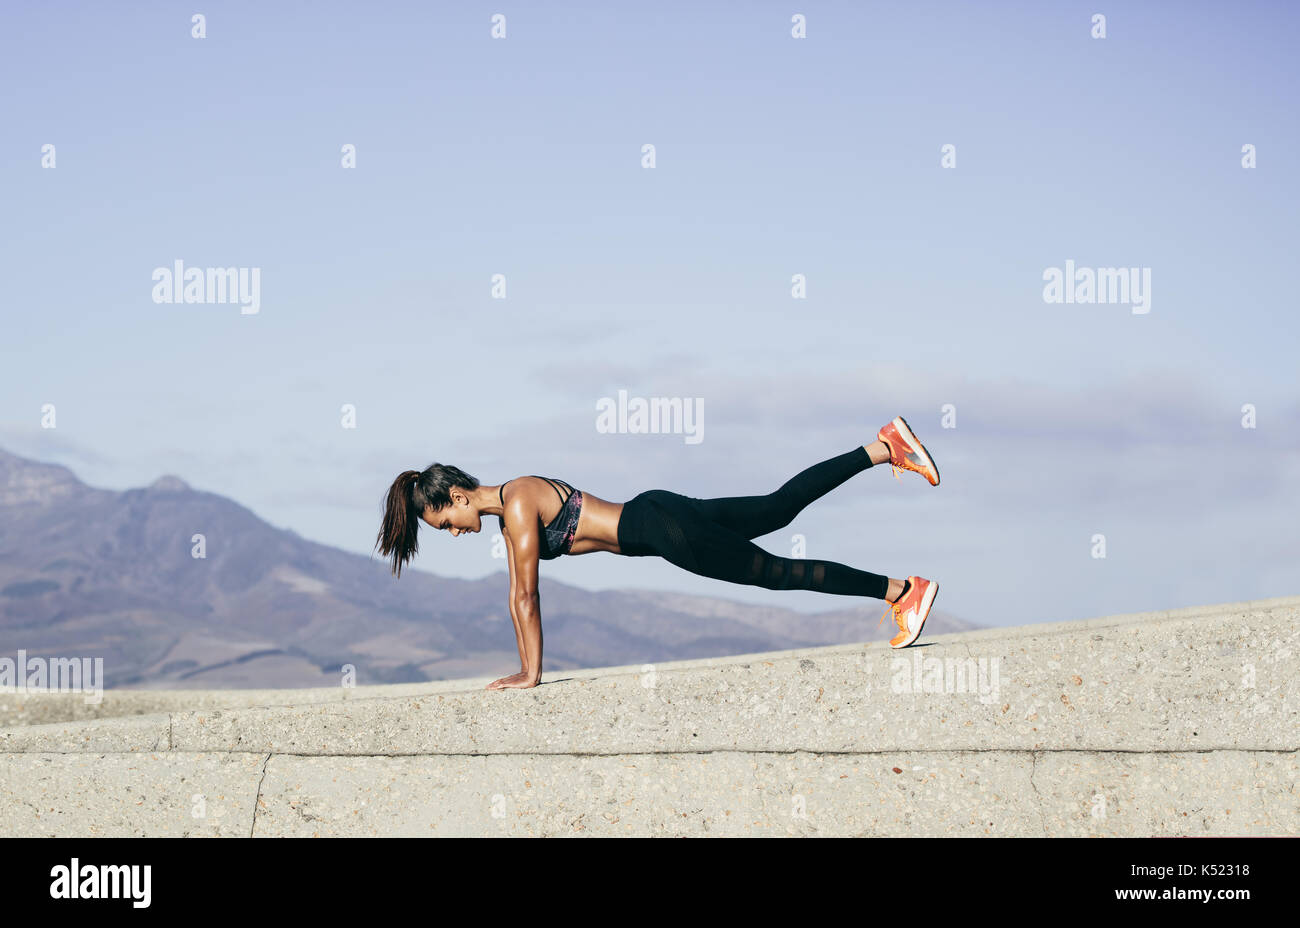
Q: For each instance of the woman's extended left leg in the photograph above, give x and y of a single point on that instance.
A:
(752, 516)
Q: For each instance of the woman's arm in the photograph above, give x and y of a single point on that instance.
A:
(514, 613)
(520, 520)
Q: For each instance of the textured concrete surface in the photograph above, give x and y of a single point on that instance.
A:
(163, 794)
(125, 735)
(42, 708)
(972, 794)
(1179, 722)
(954, 794)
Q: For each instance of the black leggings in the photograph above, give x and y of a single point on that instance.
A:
(711, 537)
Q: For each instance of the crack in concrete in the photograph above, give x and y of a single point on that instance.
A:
(258, 797)
(692, 751)
(1039, 796)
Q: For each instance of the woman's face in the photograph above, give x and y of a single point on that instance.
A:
(457, 517)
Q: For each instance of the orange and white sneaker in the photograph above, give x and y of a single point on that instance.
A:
(906, 451)
(911, 609)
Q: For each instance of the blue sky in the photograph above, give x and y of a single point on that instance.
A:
(775, 156)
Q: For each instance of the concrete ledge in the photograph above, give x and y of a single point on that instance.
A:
(948, 794)
(44, 708)
(1185, 722)
(1172, 685)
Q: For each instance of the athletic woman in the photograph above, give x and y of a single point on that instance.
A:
(541, 519)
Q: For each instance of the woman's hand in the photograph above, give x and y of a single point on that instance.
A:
(516, 681)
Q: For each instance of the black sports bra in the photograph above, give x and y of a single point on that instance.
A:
(557, 538)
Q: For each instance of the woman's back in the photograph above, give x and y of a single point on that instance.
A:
(570, 521)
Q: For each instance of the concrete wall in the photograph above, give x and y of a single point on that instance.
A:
(1184, 722)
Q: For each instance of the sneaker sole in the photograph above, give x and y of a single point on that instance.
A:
(908, 436)
(927, 601)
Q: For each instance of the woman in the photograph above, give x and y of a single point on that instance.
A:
(541, 519)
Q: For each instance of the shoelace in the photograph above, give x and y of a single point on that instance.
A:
(897, 610)
(896, 469)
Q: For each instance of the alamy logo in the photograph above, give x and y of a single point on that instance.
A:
(949, 675)
(684, 415)
(53, 675)
(1100, 285)
(179, 284)
(106, 881)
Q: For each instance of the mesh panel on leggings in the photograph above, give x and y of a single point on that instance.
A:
(676, 538)
(783, 573)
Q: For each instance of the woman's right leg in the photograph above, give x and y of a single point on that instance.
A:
(675, 528)
(752, 516)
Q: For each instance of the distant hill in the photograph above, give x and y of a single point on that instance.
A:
(86, 572)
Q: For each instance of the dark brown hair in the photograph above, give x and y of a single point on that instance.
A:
(411, 493)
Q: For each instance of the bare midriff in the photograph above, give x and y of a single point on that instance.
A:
(597, 526)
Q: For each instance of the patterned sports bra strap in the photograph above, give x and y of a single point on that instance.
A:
(563, 498)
